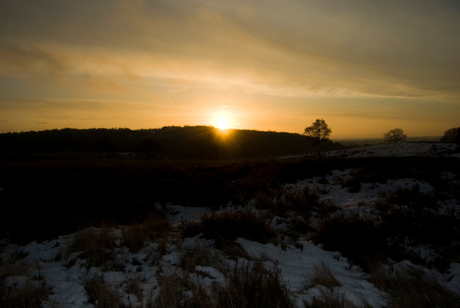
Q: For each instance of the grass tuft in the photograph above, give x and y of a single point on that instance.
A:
(202, 256)
(182, 292)
(94, 245)
(254, 286)
(323, 276)
(156, 226)
(133, 287)
(332, 300)
(412, 288)
(28, 294)
(100, 294)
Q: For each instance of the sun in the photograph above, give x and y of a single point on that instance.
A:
(222, 122)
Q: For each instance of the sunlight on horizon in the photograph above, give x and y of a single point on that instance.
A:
(263, 66)
(223, 121)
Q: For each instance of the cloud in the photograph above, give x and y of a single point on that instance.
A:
(295, 51)
(306, 49)
(177, 90)
(30, 58)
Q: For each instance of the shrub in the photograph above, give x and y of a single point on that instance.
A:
(353, 184)
(358, 239)
(407, 200)
(410, 218)
(228, 225)
(440, 231)
(302, 201)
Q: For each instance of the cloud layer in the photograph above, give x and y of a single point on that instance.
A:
(199, 53)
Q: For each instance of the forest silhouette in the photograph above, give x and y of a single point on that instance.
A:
(189, 142)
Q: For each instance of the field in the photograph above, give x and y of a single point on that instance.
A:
(375, 226)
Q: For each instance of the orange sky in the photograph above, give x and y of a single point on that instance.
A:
(364, 66)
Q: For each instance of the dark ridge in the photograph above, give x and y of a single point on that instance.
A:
(189, 142)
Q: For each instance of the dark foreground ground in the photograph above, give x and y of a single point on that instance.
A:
(43, 196)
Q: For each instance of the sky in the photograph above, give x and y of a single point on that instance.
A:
(365, 67)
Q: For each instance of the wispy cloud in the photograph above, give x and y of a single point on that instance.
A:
(178, 90)
(206, 50)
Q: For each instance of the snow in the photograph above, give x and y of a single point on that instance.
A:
(66, 278)
(298, 264)
(396, 149)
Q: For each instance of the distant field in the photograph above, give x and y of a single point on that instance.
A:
(371, 141)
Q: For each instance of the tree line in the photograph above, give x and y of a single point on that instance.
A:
(194, 142)
(397, 135)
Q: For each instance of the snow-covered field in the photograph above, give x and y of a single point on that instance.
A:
(64, 274)
(397, 149)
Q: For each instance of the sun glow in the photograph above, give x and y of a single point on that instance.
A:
(222, 121)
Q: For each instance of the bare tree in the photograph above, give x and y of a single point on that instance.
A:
(395, 135)
(451, 135)
(319, 131)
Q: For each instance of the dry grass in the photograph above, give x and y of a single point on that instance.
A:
(254, 286)
(203, 256)
(135, 236)
(323, 276)
(412, 288)
(100, 294)
(12, 268)
(29, 294)
(94, 245)
(228, 225)
(133, 287)
(247, 286)
(178, 292)
(156, 226)
(332, 300)
(284, 200)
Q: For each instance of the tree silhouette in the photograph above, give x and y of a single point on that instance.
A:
(319, 131)
(451, 135)
(395, 135)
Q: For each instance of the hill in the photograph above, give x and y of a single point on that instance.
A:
(191, 142)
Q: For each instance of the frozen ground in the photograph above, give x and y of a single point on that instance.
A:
(47, 262)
